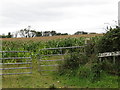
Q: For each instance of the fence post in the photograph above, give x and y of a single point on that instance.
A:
(39, 58)
(113, 59)
(31, 61)
(87, 46)
(100, 59)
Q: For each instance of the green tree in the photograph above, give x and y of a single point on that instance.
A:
(38, 34)
(9, 35)
(27, 32)
(80, 32)
(53, 33)
(58, 34)
(64, 34)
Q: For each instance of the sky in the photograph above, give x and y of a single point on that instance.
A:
(65, 16)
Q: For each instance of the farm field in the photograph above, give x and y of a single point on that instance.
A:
(72, 78)
(53, 37)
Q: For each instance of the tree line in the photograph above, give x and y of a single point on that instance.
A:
(28, 32)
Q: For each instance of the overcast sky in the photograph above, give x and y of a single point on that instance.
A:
(66, 16)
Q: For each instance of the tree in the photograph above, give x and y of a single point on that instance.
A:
(23, 32)
(15, 34)
(80, 32)
(64, 34)
(3, 36)
(46, 33)
(6, 36)
(58, 34)
(27, 32)
(9, 35)
(53, 33)
(38, 34)
(93, 33)
(32, 33)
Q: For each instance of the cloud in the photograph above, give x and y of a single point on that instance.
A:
(56, 13)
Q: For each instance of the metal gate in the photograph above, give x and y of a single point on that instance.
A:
(15, 62)
(51, 58)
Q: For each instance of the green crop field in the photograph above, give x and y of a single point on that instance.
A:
(70, 78)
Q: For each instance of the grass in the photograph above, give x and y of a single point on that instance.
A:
(36, 80)
(106, 81)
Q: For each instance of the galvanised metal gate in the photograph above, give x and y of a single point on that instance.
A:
(15, 62)
(51, 58)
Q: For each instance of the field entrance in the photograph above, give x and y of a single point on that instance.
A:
(50, 59)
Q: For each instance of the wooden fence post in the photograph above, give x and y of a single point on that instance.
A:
(113, 59)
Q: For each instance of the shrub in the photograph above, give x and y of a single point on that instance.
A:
(72, 62)
(91, 47)
(96, 71)
(110, 67)
(83, 72)
(110, 41)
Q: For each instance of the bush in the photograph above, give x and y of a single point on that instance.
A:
(110, 67)
(73, 62)
(96, 71)
(83, 72)
(91, 47)
(110, 42)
